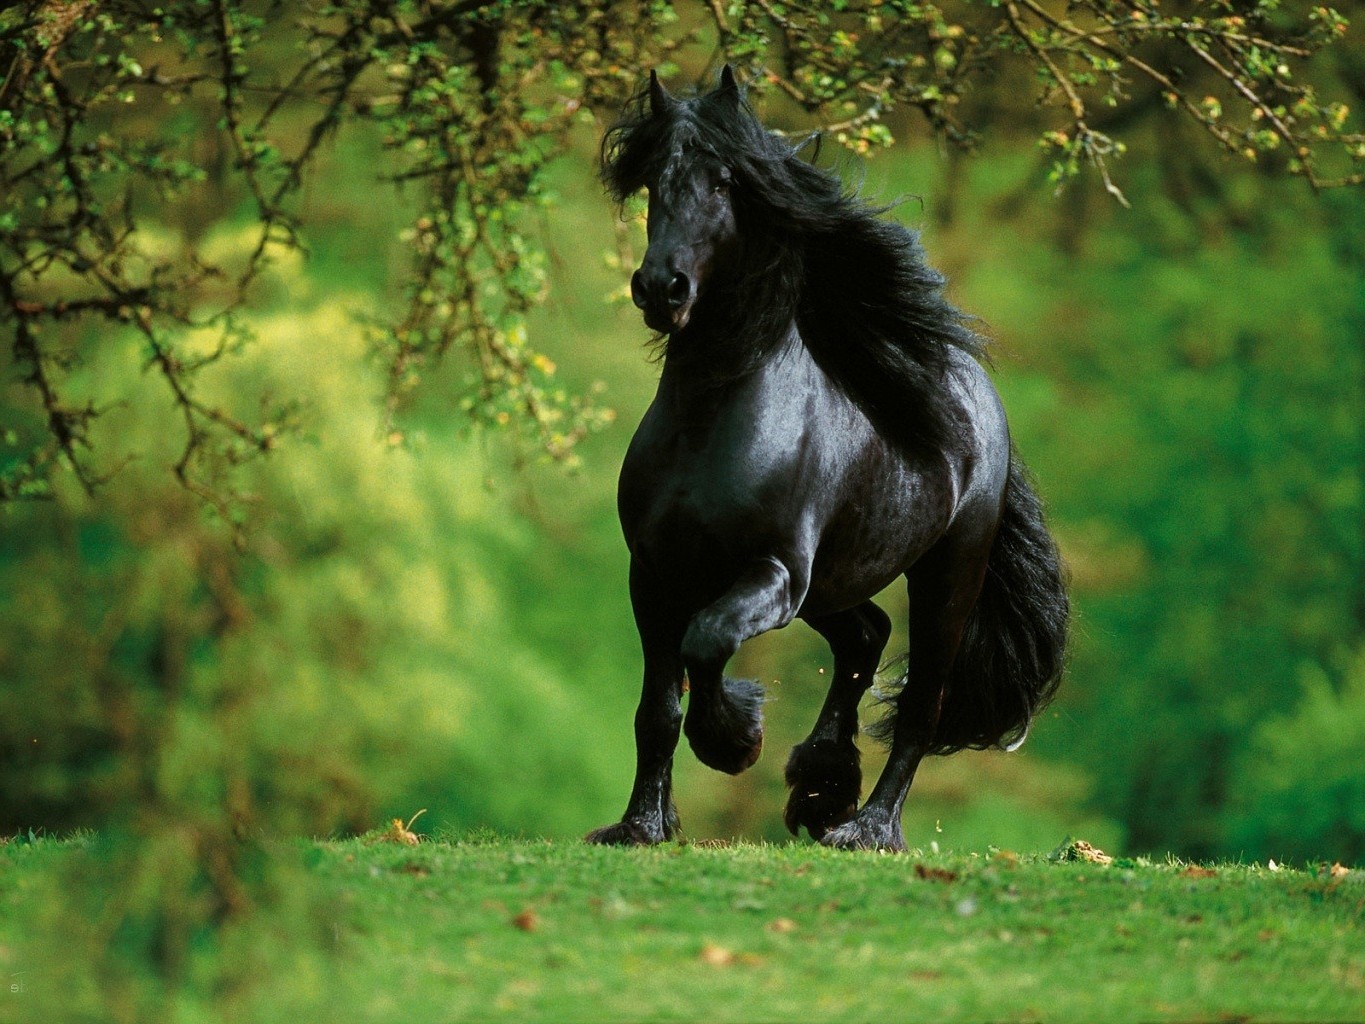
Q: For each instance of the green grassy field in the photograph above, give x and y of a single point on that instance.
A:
(537, 931)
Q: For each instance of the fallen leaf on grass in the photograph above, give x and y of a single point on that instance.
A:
(719, 956)
(1195, 871)
(411, 867)
(935, 874)
(397, 832)
(1006, 858)
(1084, 851)
(782, 925)
(1338, 870)
(528, 920)
(716, 956)
(1079, 850)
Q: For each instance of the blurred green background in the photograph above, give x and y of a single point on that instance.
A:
(431, 619)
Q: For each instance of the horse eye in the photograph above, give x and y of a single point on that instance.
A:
(722, 186)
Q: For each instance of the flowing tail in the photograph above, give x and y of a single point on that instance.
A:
(1014, 645)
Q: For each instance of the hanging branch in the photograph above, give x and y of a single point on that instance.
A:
(474, 99)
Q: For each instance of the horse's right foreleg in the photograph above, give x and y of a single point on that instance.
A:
(823, 770)
(650, 815)
(725, 716)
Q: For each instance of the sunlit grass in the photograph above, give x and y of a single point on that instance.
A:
(491, 929)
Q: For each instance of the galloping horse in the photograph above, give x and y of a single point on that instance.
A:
(822, 426)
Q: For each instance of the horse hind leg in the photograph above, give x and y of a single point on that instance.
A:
(823, 771)
(943, 586)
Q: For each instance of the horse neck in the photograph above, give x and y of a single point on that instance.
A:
(743, 322)
(708, 362)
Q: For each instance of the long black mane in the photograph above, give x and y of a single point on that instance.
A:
(868, 307)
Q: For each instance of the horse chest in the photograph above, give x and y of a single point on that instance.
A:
(690, 494)
(698, 500)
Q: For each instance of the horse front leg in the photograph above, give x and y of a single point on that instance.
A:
(823, 770)
(650, 816)
(725, 716)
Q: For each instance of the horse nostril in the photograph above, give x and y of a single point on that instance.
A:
(679, 290)
(637, 290)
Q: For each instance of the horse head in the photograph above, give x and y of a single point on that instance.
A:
(691, 223)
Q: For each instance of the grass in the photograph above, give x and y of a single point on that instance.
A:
(539, 931)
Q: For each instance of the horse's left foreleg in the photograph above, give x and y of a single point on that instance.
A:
(724, 721)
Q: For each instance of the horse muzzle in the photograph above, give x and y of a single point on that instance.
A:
(665, 298)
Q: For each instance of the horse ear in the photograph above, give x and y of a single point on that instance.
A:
(816, 139)
(659, 98)
(729, 85)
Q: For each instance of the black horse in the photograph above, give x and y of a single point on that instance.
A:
(822, 426)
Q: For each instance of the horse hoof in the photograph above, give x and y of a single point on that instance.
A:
(725, 754)
(815, 814)
(725, 727)
(825, 783)
(865, 834)
(624, 833)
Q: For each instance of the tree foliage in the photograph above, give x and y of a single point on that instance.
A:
(267, 259)
(117, 118)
